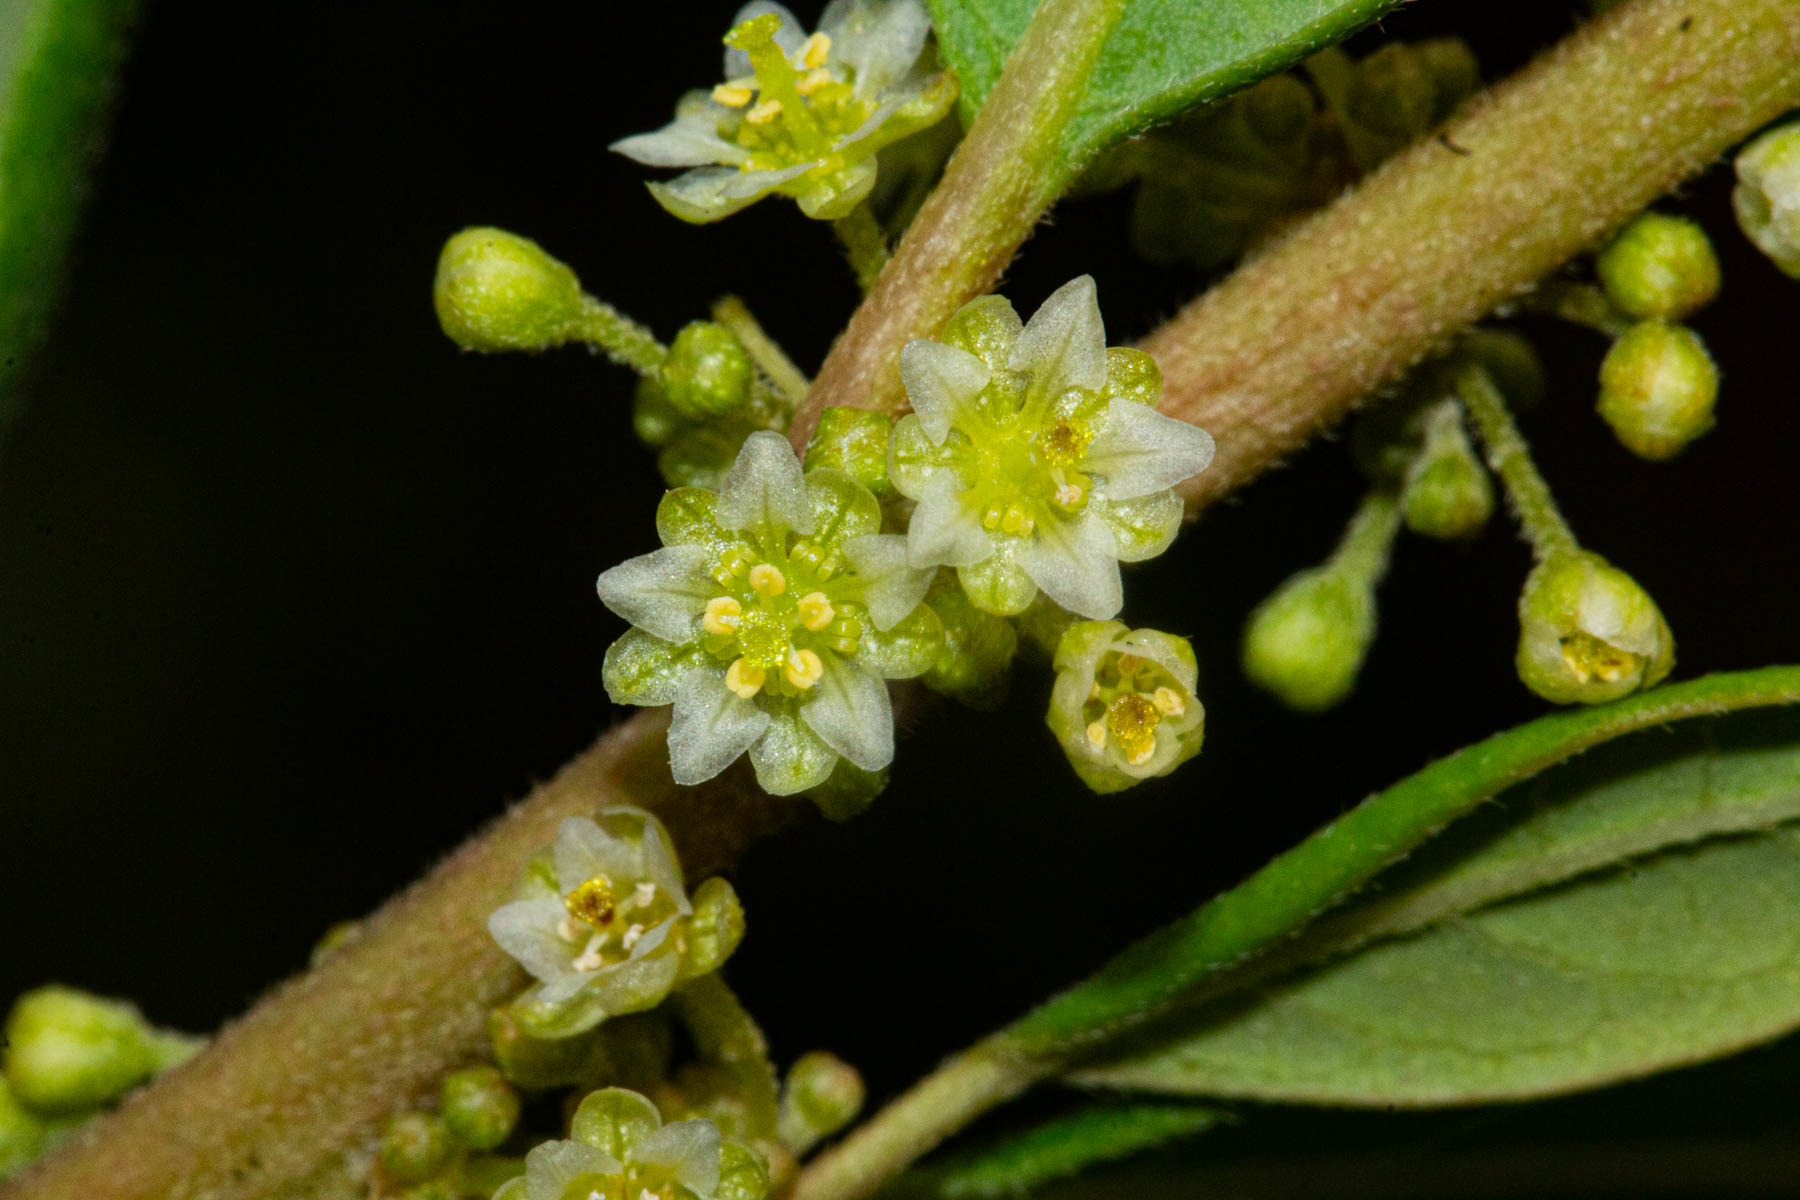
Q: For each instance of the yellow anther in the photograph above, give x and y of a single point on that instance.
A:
(991, 518)
(763, 113)
(767, 580)
(1589, 658)
(1096, 733)
(744, 678)
(723, 614)
(816, 611)
(1016, 520)
(1129, 665)
(733, 95)
(812, 81)
(802, 669)
(816, 50)
(592, 902)
(1169, 702)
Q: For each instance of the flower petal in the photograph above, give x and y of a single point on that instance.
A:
(790, 757)
(1139, 451)
(526, 929)
(638, 984)
(882, 39)
(709, 193)
(663, 592)
(945, 531)
(613, 1120)
(584, 850)
(642, 668)
(849, 708)
(552, 1166)
(765, 490)
(1075, 563)
(1143, 526)
(941, 381)
(1064, 343)
(662, 867)
(790, 37)
(890, 587)
(687, 1150)
(690, 140)
(711, 726)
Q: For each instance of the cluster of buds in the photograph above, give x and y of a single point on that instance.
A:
(442, 1155)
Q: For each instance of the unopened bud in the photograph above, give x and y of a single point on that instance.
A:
(1659, 266)
(1306, 642)
(1658, 387)
(415, 1146)
(1588, 633)
(480, 1108)
(848, 791)
(1767, 196)
(854, 441)
(498, 291)
(975, 666)
(822, 1095)
(1447, 493)
(67, 1051)
(707, 373)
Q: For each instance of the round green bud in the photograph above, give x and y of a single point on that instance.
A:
(498, 291)
(716, 929)
(700, 455)
(1767, 196)
(480, 1108)
(653, 418)
(975, 666)
(1447, 493)
(707, 373)
(1279, 111)
(1658, 386)
(1659, 266)
(854, 441)
(1588, 633)
(822, 1094)
(68, 1051)
(632, 1049)
(1306, 642)
(848, 791)
(1132, 375)
(415, 1146)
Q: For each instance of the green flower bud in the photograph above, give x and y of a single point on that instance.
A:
(1659, 266)
(1767, 196)
(1123, 705)
(480, 1108)
(716, 929)
(1447, 493)
(24, 1135)
(848, 791)
(653, 418)
(619, 1148)
(415, 1146)
(700, 455)
(975, 666)
(67, 1051)
(1279, 111)
(822, 1095)
(632, 1050)
(854, 441)
(1658, 386)
(498, 291)
(707, 373)
(1588, 633)
(1306, 642)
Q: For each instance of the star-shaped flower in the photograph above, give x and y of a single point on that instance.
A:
(797, 114)
(769, 620)
(1037, 456)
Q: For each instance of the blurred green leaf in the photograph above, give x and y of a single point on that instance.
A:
(58, 59)
(1164, 56)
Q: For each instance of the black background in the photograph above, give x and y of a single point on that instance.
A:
(293, 596)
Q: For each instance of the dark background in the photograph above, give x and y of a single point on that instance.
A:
(293, 596)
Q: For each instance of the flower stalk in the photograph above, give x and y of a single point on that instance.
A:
(864, 244)
(1510, 458)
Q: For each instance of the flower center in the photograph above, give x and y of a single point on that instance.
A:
(1130, 699)
(594, 917)
(775, 618)
(794, 110)
(1590, 658)
(1023, 480)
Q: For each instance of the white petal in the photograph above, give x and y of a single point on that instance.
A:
(526, 929)
(552, 1166)
(688, 1150)
(765, 488)
(662, 868)
(1140, 451)
(711, 726)
(663, 592)
(1064, 343)
(849, 708)
(1073, 563)
(944, 531)
(709, 193)
(584, 850)
(687, 141)
(790, 37)
(940, 381)
(882, 39)
(891, 588)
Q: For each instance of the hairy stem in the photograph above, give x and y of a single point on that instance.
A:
(1362, 553)
(999, 182)
(764, 351)
(1534, 172)
(1507, 453)
(623, 340)
(864, 244)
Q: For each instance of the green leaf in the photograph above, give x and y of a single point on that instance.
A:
(1164, 56)
(1687, 952)
(57, 63)
(1059, 1149)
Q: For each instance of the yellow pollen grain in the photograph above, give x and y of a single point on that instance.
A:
(1169, 702)
(1588, 657)
(816, 611)
(812, 81)
(803, 669)
(767, 580)
(744, 679)
(592, 902)
(763, 113)
(1096, 733)
(722, 615)
(816, 50)
(733, 95)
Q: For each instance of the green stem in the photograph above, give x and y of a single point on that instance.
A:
(1579, 304)
(1510, 458)
(864, 244)
(1363, 552)
(1192, 959)
(764, 351)
(620, 338)
(998, 184)
(726, 1035)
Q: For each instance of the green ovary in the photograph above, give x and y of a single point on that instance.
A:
(1021, 482)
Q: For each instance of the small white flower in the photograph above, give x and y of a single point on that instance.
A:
(1036, 455)
(797, 114)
